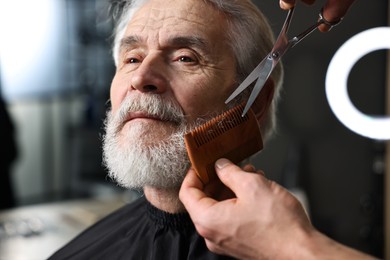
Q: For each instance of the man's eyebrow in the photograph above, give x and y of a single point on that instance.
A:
(129, 41)
(189, 41)
(179, 41)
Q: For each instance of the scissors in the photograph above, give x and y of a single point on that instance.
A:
(266, 66)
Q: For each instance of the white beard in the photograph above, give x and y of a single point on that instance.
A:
(134, 164)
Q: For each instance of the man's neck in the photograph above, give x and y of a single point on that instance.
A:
(164, 199)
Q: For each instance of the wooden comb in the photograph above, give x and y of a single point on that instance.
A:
(228, 135)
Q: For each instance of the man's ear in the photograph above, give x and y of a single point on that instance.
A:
(263, 101)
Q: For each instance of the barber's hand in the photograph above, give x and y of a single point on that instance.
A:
(334, 10)
(254, 224)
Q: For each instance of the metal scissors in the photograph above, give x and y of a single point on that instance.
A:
(266, 66)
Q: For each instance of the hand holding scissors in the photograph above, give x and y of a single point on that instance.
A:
(333, 9)
(266, 66)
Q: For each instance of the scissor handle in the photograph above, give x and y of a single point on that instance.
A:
(321, 20)
(295, 40)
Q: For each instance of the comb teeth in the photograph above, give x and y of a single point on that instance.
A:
(218, 125)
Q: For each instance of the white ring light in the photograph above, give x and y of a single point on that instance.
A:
(336, 83)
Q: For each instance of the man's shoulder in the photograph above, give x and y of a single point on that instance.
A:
(105, 231)
(128, 213)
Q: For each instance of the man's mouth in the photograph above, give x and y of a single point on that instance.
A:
(141, 115)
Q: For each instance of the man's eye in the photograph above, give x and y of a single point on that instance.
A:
(185, 59)
(131, 60)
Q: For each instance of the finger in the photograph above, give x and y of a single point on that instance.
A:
(234, 177)
(334, 10)
(192, 196)
(261, 173)
(228, 173)
(286, 4)
(249, 168)
(192, 180)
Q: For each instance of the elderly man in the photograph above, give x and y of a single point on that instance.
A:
(177, 61)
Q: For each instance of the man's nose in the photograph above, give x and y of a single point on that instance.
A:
(150, 76)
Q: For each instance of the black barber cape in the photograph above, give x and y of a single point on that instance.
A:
(139, 231)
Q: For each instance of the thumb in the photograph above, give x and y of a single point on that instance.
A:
(229, 174)
(192, 195)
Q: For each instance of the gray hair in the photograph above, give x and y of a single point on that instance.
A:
(249, 34)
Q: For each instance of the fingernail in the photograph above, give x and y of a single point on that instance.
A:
(285, 5)
(221, 163)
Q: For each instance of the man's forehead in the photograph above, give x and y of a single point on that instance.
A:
(156, 14)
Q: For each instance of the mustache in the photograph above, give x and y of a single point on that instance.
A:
(152, 105)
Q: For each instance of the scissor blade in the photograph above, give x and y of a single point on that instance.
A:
(249, 79)
(264, 74)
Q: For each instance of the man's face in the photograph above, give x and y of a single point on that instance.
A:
(174, 67)
(176, 49)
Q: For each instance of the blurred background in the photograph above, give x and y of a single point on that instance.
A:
(55, 73)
